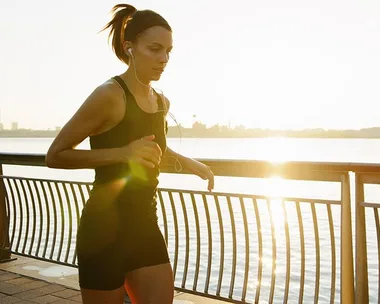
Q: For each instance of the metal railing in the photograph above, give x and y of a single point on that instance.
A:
(241, 248)
(361, 262)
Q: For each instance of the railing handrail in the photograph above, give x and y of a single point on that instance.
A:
(226, 167)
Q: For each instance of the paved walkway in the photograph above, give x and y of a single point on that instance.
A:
(32, 281)
(16, 288)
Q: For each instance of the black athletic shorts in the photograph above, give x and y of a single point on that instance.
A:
(115, 238)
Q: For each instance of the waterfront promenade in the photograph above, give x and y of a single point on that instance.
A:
(30, 281)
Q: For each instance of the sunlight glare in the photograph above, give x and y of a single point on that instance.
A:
(276, 190)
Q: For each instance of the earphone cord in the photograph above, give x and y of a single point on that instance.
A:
(169, 113)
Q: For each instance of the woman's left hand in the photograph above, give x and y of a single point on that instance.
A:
(202, 171)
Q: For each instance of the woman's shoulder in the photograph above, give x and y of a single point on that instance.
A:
(107, 98)
(109, 94)
(165, 102)
(109, 88)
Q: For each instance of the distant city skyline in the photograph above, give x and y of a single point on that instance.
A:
(199, 130)
(264, 64)
(14, 126)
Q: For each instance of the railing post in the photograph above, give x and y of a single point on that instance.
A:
(361, 278)
(347, 292)
(5, 251)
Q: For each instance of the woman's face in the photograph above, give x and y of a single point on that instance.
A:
(151, 52)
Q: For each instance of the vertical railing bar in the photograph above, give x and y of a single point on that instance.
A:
(165, 220)
(333, 254)
(176, 241)
(198, 254)
(76, 201)
(62, 221)
(209, 234)
(7, 203)
(27, 215)
(6, 196)
(34, 223)
(41, 217)
(55, 220)
(5, 245)
(82, 198)
(274, 251)
(246, 235)
(47, 218)
(77, 215)
(7, 210)
(376, 214)
(346, 249)
(88, 189)
(14, 210)
(221, 232)
(186, 265)
(234, 251)
(21, 217)
(288, 261)
(361, 263)
(82, 206)
(260, 251)
(69, 240)
(302, 239)
(317, 253)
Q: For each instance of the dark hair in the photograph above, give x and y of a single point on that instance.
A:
(127, 23)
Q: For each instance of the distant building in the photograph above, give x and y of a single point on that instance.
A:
(14, 126)
(58, 128)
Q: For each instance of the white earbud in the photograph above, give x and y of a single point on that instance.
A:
(130, 51)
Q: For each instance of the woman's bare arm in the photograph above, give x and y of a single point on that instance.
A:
(102, 109)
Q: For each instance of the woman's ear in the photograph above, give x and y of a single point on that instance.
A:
(127, 47)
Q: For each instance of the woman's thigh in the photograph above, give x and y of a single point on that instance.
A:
(151, 284)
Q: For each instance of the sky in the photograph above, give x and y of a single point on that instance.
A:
(264, 64)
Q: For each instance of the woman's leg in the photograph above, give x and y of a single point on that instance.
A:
(151, 284)
(101, 275)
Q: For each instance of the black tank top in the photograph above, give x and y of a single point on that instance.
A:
(135, 124)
